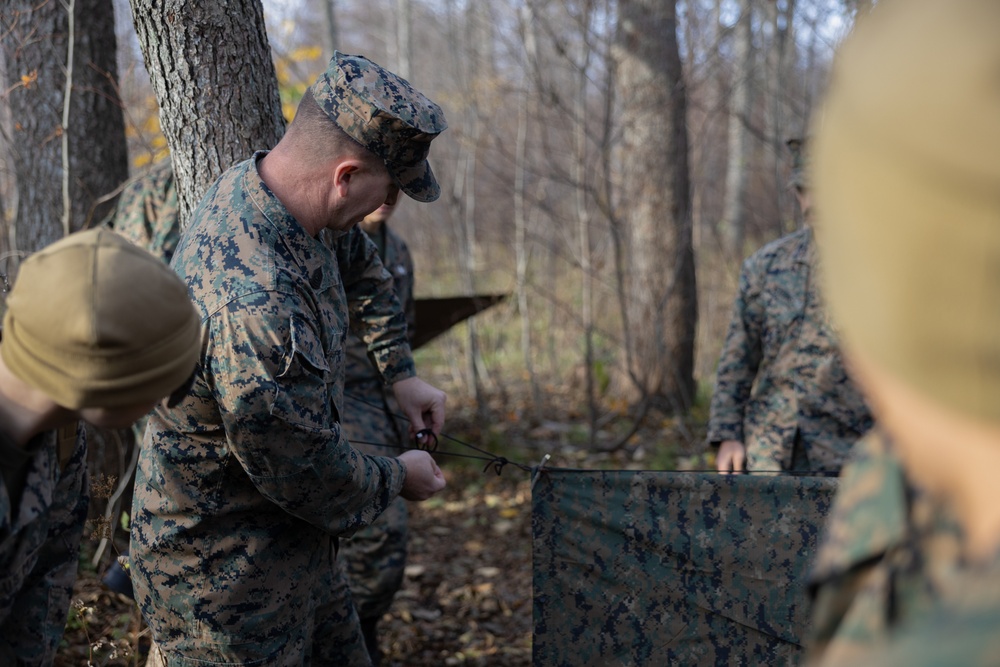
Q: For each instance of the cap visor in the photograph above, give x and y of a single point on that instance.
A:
(418, 182)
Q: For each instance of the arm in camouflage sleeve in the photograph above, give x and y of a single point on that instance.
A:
(283, 424)
(740, 359)
(375, 312)
(38, 617)
(409, 303)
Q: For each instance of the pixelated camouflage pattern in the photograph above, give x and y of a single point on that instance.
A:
(386, 115)
(781, 383)
(242, 488)
(888, 553)
(959, 629)
(40, 536)
(146, 213)
(665, 568)
(375, 557)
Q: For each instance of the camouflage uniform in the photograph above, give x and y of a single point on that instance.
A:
(242, 489)
(961, 629)
(147, 212)
(781, 388)
(40, 533)
(375, 557)
(888, 554)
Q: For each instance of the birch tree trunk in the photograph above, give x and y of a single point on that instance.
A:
(521, 254)
(332, 31)
(660, 277)
(210, 67)
(404, 42)
(67, 146)
(738, 161)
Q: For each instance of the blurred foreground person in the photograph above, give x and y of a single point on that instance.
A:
(95, 329)
(782, 398)
(244, 487)
(907, 173)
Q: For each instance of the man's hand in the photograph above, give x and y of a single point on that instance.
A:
(421, 403)
(732, 457)
(423, 477)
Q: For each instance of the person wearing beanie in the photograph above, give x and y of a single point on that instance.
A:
(782, 399)
(908, 176)
(97, 330)
(243, 489)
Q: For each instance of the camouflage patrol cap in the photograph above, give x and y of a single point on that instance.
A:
(383, 113)
(800, 163)
(906, 163)
(96, 322)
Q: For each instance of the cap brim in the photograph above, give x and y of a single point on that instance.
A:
(418, 182)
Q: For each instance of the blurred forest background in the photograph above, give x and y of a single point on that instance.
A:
(544, 174)
(608, 165)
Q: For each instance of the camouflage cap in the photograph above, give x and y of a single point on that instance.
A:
(96, 322)
(383, 113)
(800, 163)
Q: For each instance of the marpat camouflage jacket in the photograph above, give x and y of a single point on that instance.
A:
(242, 488)
(39, 548)
(780, 373)
(888, 553)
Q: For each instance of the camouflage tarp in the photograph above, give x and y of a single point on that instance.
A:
(666, 568)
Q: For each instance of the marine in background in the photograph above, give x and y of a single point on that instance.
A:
(375, 556)
(783, 400)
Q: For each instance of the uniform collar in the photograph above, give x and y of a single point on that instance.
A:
(312, 254)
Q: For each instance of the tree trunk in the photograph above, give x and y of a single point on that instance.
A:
(210, 67)
(524, 107)
(332, 33)
(404, 42)
(738, 161)
(662, 307)
(68, 141)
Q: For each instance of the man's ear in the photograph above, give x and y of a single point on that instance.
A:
(343, 173)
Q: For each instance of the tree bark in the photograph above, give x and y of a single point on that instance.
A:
(210, 67)
(662, 306)
(36, 38)
(738, 160)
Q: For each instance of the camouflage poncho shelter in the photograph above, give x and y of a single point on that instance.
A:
(781, 387)
(672, 568)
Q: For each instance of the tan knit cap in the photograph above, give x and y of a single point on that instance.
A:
(94, 321)
(907, 182)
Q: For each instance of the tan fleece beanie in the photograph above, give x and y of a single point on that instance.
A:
(94, 321)
(907, 184)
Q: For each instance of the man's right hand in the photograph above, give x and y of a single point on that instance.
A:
(732, 457)
(423, 477)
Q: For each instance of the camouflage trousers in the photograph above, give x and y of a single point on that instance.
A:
(333, 639)
(375, 556)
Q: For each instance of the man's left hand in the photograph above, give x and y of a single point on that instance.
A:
(421, 403)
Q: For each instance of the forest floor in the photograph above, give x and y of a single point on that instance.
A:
(467, 598)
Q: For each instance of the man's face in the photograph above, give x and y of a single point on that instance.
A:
(370, 190)
(374, 220)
